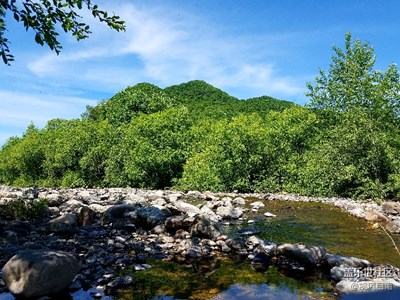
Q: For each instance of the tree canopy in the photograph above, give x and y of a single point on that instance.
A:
(352, 83)
(346, 142)
(44, 17)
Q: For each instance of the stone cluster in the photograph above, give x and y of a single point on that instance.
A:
(89, 235)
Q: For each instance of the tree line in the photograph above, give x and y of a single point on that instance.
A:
(193, 136)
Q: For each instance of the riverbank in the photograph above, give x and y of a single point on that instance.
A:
(114, 229)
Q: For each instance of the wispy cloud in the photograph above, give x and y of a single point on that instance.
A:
(18, 110)
(166, 49)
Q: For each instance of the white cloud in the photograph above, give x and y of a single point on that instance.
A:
(18, 110)
(166, 49)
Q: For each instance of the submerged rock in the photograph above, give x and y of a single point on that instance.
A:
(260, 262)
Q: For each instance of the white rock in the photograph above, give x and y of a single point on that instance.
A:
(257, 205)
(269, 215)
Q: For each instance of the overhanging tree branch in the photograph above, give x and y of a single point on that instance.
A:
(43, 16)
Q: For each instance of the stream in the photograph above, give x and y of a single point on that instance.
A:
(296, 222)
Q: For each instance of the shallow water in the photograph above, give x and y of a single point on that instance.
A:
(324, 225)
(296, 222)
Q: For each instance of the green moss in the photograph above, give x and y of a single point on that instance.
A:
(23, 209)
(325, 225)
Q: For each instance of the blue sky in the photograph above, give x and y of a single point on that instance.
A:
(247, 48)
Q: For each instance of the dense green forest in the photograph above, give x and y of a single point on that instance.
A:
(193, 136)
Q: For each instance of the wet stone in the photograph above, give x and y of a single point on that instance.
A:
(120, 282)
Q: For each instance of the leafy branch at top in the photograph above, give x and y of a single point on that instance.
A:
(44, 15)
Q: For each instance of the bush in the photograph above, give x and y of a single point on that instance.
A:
(23, 209)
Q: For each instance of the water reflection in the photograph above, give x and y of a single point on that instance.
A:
(258, 292)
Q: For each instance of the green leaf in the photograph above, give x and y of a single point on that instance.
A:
(16, 17)
(39, 39)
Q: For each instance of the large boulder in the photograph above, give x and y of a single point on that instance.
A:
(174, 223)
(118, 212)
(35, 273)
(311, 256)
(205, 228)
(185, 208)
(149, 217)
(65, 224)
(337, 260)
(229, 212)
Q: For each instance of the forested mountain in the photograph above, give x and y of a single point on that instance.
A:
(203, 100)
(346, 142)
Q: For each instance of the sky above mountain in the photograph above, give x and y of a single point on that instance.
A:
(247, 48)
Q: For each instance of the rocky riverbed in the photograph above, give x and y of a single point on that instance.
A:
(111, 230)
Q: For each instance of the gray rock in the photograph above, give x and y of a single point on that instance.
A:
(141, 267)
(257, 205)
(239, 201)
(181, 234)
(71, 205)
(393, 226)
(118, 211)
(227, 201)
(195, 194)
(252, 242)
(30, 193)
(99, 208)
(247, 231)
(174, 223)
(338, 260)
(210, 214)
(120, 282)
(159, 229)
(391, 208)
(135, 199)
(261, 261)
(224, 247)
(34, 273)
(229, 212)
(149, 217)
(205, 228)
(159, 201)
(55, 199)
(65, 224)
(237, 243)
(338, 273)
(267, 247)
(311, 256)
(194, 252)
(187, 208)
